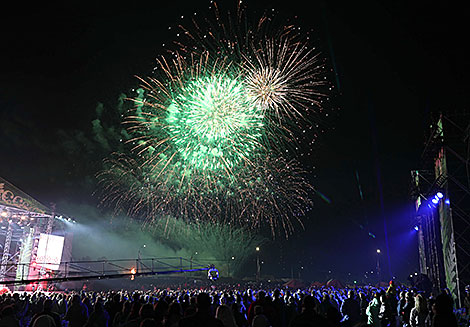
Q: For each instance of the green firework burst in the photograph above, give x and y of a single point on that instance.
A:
(210, 131)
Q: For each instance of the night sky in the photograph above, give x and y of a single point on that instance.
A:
(393, 64)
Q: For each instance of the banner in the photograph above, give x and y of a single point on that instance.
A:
(447, 230)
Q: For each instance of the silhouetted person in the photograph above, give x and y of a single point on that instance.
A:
(279, 307)
(268, 308)
(135, 309)
(419, 312)
(410, 303)
(325, 304)
(260, 319)
(291, 309)
(443, 312)
(99, 317)
(44, 321)
(240, 319)
(363, 303)
(202, 317)
(174, 315)
(400, 305)
(351, 309)
(430, 315)
(224, 314)
(391, 296)
(333, 316)
(466, 300)
(309, 317)
(113, 306)
(385, 312)
(161, 310)
(121, 317)
(77, 314)
(8, 317)
(47, 310)
(372, 312)
(146, 311)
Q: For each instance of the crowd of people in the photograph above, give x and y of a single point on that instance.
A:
(234, 307)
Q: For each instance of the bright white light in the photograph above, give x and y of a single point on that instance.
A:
(50, 251)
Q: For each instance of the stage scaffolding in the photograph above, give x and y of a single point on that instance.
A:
(444, 228)
(22, 220)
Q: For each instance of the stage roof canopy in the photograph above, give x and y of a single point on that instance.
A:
(11, 196)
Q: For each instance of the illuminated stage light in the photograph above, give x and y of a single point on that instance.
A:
(447, 201)
(435, 201)
(439, 195)
(213, 274)
(416, 228)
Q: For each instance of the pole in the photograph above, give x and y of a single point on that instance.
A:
(378, 266)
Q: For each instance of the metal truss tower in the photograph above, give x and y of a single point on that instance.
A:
(444, 233)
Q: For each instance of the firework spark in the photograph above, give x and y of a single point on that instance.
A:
(283, 73)
(202, 120)
(277, 195)
(284, 79)
(210, 129)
